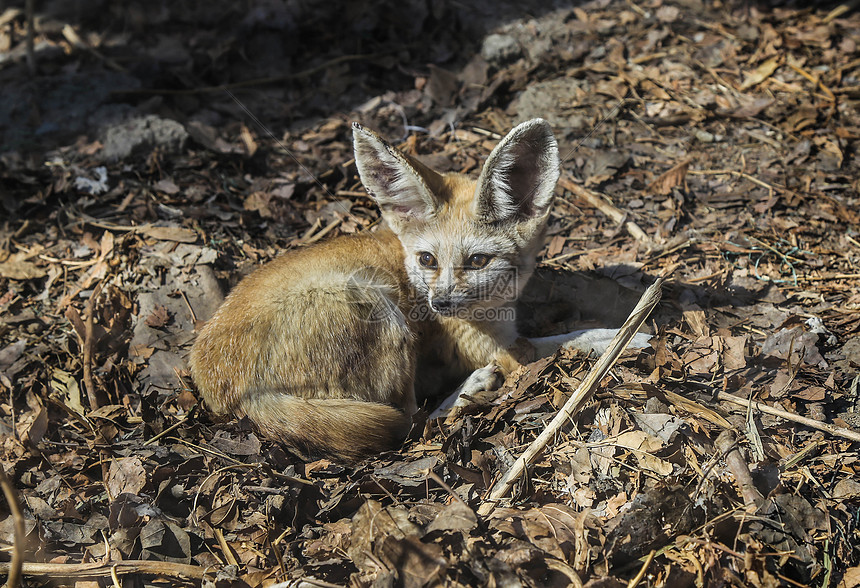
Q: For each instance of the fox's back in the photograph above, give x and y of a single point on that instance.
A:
(296, 324)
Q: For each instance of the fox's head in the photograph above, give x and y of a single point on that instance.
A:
(469, 244)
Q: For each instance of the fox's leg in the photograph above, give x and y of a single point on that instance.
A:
(490, 377)
(588, 340)
(482, 380)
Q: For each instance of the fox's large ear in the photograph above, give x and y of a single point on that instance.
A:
(519, 177)
(399, 185)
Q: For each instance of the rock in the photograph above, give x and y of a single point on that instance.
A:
(140, 135)
(500, 49)
(161, 345)
(551, 100)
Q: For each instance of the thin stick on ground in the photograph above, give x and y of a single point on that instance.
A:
(89, 312)
(580, 396)
(103, 570)
(638, 578)
(790, 416)
(13, 579)
(778, 412)
(727, 445)
(603, 206)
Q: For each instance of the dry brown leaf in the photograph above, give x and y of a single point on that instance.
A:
(760, 74)
(703, 355)
(259, 202)
(417, 563)
(143, 351)
(178, 234)
(442, 86)
(34, 425)
(614, 504)
(847, 488)
(457, 516)
(12, 353)
(67, 387)
(734, 352)
(248, 141)
(671, 178)
(830, 148)
(810, 394)
(126, 476)
(74, 317)
(851, 578)
(158, 318)
(19, 267)
(642, 443)
(668, 14)
(697, 409)
(167, 186)
(695, 318)
(556, 245)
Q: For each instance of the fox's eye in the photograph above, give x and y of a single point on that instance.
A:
(427, 260)
(478, 261)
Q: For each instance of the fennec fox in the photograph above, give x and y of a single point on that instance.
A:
(325, 348)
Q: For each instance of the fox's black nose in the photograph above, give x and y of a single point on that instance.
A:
(442, 305)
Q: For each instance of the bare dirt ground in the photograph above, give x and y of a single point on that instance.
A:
(159, 152)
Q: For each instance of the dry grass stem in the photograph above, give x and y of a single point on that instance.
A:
(631, 326)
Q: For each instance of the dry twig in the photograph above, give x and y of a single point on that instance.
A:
(97, 570)
(605, 207)
(89, 312)
(638, 578)
(727, 445)
(630, 327)
(13, 579)
(790, 416)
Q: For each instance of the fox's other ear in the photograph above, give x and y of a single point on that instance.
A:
(519, 176)
(400, 186)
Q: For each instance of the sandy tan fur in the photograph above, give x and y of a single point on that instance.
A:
(324, 347)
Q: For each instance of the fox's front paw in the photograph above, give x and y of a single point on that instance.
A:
(485, 379)
(472, 390)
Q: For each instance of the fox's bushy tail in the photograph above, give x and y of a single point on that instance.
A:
(342, 429)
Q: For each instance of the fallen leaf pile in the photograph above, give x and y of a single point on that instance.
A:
(159, 154)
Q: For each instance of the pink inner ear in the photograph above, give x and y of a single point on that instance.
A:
(383, 175)
(524, 176)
